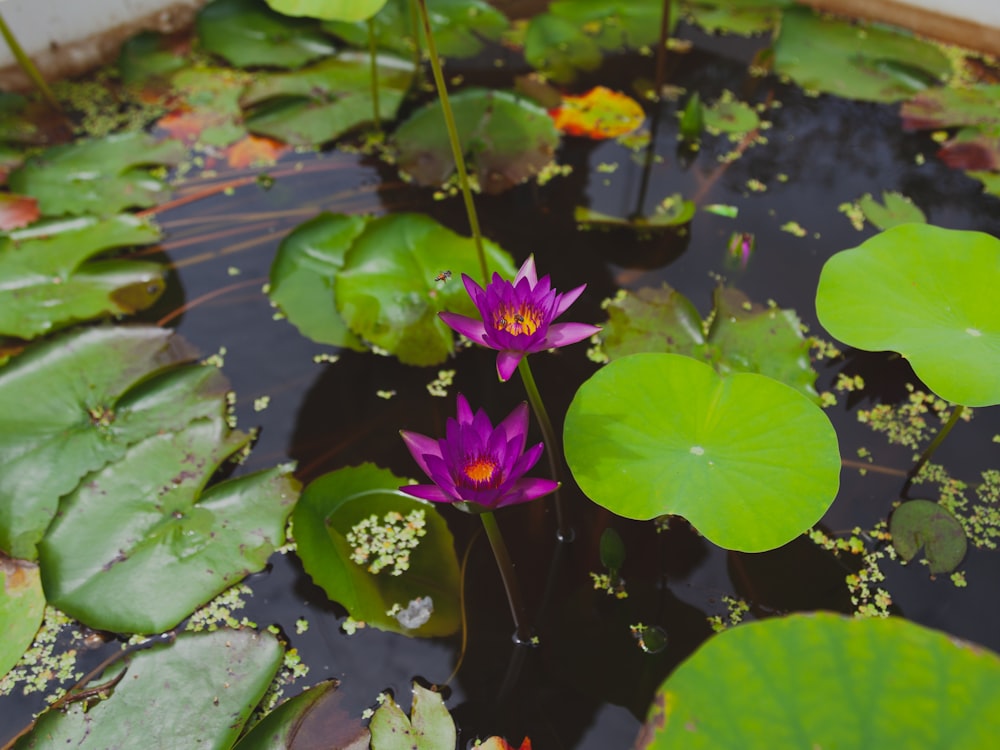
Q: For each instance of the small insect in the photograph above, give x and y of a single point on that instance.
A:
(518, 318)
(502, 323)
(443, 276)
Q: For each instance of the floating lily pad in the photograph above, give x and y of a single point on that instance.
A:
(730, 116)
(895, 209)
(922, 523)
(209, 111)
(148, 55)
(321, 102)
(22, 606)
(673, 211)
(388, 292)
(49, 277)
(742, 17)
(312, 719)
(333, 10)
(855, 61)
(17, 211)
(599, 113)
(247, 33)
(429, 728)
(822, 680)
(575, 34)
(145, 526)
(196, 692)
(973, 149)
(751, 462)
(505, 138)
(737, 337)
(101, 176)
(302, 275)
(927, 293)
(460, 27)
(948, 107)
(335, 528)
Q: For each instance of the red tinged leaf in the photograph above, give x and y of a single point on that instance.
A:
(255, 151)
(17, 211)
(187, 125)
(980, 153)
(599, 114)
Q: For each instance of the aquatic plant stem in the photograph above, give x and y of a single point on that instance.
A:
(929, 450)
(373, 54)
(564, 531)
(522, 635)
(456, 146)
(28, 66)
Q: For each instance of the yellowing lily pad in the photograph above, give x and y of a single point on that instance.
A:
(599, 114)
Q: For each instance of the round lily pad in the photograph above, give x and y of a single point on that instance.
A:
(826, 681)
(751, 462)
(922, 523)
(22, 605)
(925, 292)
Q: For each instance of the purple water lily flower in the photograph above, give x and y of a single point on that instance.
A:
(517, 317)
(477, 463)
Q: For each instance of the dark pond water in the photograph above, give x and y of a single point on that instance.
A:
(588, 683)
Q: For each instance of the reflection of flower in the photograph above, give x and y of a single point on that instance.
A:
(478, 463)
(517, 317)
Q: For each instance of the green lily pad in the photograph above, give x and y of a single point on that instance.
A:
(855, 61)
(737, 337)
(505, 139)
(49, 280)
(247, 33)
(78, 401)
(751, 462)
(321, 102)
(922, 523)
(927, 293)
(575, 34)
(673, 211)
(730, 116)
(211, 102)
(312, 719)
(335, 528)
(101, 176)
(947, 107)
(332, 10)
(388, 292)
(213, 681)
(741, 17)
(302, 275)
(145, 56)
(897, 209)
(144, 527)
(22, 606)
(429, 728)
(827, 681)
(460, 27)
(990, 180)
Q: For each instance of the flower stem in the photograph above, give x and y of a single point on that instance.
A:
(929, 450)
(521, 632)
(28, 66)
(565, 531)
(373, 54)
(456, 146)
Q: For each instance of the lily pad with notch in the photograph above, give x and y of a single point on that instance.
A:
(460, 27)
(895, 209)
(927, 293)
(738, 336)
(506, 139)
(334, 10)
(22, 607)
(100, 176)
(923, 523)
(741, 17)
(749, 461)
(430, 726)
(822, 680)
(51, 276)
(321, 102)
(339, 518)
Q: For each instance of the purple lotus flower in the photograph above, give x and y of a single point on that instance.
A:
(477, 463)
(517, 317)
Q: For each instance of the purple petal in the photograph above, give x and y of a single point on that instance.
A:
(542, 288)
(427, 492)
(527, 271)
(464, 410)
(566, 299)
(507, 362)
(516, 422)
(527, 489)
(471, 328)
(474, 290)
(526, 461)
(420, 446)
(438, 470)
(564, 334)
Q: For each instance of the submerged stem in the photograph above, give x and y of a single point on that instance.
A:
(373, 54)
(565, 531)
(522, 634)
(28, 66)
(929, 450)
(456, 146)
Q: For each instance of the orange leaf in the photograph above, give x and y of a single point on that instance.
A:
(186, 125)
(17, 211)
(498, 743)
(254, 150)
(600, 113)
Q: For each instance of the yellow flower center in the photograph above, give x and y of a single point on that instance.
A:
(519, 320)
(480, 470)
